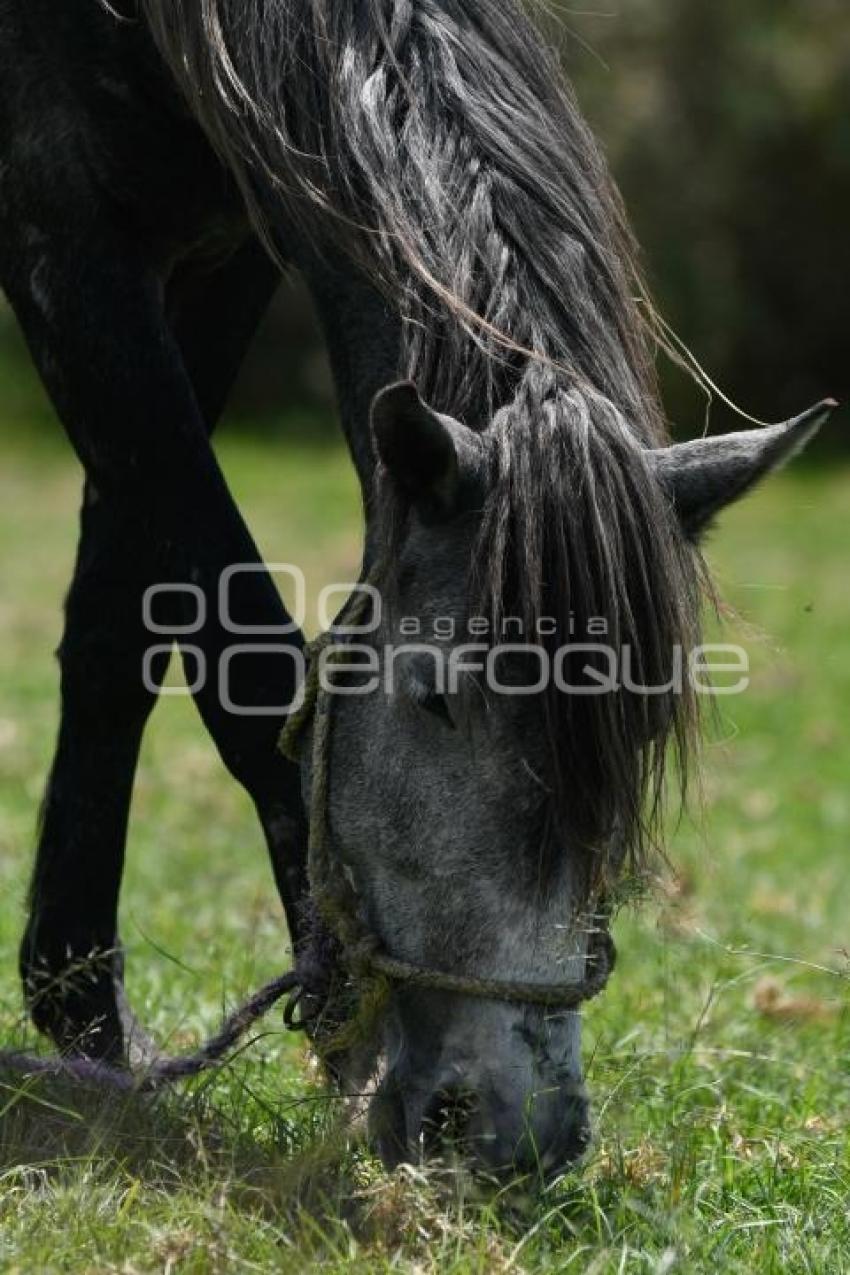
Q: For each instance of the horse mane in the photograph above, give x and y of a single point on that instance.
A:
(438, 144)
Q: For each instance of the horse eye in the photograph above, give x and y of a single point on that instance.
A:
(437, 704)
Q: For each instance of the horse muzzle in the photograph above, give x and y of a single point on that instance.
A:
(506, 1111)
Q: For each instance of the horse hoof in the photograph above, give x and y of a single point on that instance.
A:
(82, 1007)
(139, 1048)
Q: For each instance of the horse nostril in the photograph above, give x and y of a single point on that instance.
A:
(446, 1118)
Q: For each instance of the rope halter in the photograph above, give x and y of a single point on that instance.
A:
(336, 898)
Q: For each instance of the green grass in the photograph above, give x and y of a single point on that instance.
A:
(719, 1059)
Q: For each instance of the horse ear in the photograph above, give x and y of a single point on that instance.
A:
(416, 446)
(704, 476)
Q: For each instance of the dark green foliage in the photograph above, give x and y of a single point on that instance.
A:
(728, 129)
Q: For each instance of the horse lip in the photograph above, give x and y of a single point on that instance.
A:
(398, 1127)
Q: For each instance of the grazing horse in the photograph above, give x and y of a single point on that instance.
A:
(423, 164)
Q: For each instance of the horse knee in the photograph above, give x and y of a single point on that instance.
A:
(105, 671)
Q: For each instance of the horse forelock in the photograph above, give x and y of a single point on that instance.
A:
(580, 547)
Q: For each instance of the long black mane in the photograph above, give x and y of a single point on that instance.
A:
(438, 144)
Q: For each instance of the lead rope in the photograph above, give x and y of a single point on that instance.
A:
(216, 1050)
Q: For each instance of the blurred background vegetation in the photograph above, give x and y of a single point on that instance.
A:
(720, 1073)
(728, 127)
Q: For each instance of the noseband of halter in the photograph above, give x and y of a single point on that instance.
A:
(337, 901)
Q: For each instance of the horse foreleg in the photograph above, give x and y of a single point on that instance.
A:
(157, 510)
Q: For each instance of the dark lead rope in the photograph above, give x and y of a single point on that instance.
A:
(164, 1071)
(339, 907)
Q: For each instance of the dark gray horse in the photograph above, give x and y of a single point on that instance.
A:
(423, 163)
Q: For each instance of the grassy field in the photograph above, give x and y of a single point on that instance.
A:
(719, 1059)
